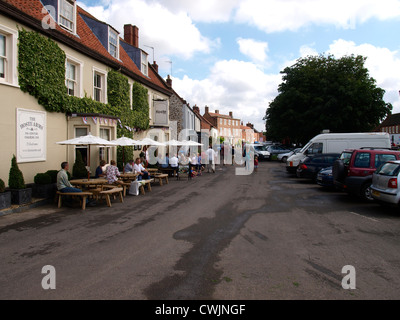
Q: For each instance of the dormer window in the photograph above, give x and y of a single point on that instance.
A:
(67, 15)
(144, 63)
(113, 43)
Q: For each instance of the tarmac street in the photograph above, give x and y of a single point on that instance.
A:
(264, 236)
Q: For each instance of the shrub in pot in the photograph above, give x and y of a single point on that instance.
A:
(79, 170)
(5, 196)
(44, 186)
(19, 193)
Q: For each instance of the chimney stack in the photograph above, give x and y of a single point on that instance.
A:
(155, 66)
(217, 111)
(206, 109)
(131, 35)
(169, 81)
(231, 114)
(196, 109)
(250, 125)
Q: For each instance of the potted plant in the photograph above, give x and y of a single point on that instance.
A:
(5, 196)
(44, 187)
(79, 170)
(20, 194)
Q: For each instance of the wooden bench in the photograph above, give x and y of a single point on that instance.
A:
(127, 185)
(160, 178)
(112, 191)
(83, 195)
(147, 183)
(169, 170)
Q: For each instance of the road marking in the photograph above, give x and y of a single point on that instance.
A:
(364, 217)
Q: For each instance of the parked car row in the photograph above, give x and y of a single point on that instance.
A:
(369, 173)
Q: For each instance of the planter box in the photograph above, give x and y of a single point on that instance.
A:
(5, 200)
(21, 196)
(45, 191)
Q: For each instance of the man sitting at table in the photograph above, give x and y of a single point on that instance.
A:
(113, 173)
(99, 169)
(140, 170)
(129, 167)
(64, 186)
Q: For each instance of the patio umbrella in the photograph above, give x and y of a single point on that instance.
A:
(175, 143)
(191, 143)
(87, 140)
(150, 142)
(125, 142)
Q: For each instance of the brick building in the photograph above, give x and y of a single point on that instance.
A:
(227, 126)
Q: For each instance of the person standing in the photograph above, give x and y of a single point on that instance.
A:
(211, 155)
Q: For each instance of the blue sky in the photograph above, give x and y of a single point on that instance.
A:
(228, 54)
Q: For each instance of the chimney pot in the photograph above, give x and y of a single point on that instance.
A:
(169, 81)
(131, 35)
(155, 66)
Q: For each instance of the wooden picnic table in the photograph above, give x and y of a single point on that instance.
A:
(88, 184)
(152, 170)
(128, 176)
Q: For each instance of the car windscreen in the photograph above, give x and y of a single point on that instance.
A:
(345, 156)
(260, 148)
(389, 169)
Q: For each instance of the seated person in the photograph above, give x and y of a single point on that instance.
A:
(174, 162)
(64, 186)
(99, 169)
(113, 173)
(129, 167)
(164, 162)
(140, 170)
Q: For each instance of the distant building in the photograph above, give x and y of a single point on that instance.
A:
(391, 125)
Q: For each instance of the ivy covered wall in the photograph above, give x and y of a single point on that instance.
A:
(44, 78)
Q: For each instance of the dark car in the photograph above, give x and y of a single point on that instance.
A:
(325, 178)
(311, 165)
(353, 171)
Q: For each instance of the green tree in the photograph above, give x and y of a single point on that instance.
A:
(321, 92)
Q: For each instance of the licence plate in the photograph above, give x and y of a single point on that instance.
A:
(376, 193)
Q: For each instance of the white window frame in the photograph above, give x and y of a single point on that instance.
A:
(11, 56)
(112, 32)
(60, 16)
(105, 152)
(78, 74)
(103, 74)
(144, 64)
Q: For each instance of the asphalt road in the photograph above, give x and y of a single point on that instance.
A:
(265, 236)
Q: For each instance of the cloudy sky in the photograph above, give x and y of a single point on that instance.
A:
(228, 54)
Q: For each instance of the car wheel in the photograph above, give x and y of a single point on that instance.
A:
(366, 192)
(284, 159)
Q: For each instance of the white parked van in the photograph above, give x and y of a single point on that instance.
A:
(336, 143)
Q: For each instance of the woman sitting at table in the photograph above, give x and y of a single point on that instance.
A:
(113, 173)
(99, 169)
(140, 170)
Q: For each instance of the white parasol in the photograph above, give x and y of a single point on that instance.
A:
(125, 142)
(87, 140)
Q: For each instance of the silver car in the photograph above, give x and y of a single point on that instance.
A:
(385, 183)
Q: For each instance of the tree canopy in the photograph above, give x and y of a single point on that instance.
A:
(321, 92)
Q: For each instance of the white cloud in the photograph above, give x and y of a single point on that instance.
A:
(235, 86)
(204, 10)
(171, 33)
(281, 15)
(256, 50)
(383, 66)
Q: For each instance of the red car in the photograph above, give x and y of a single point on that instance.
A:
(352, 172)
